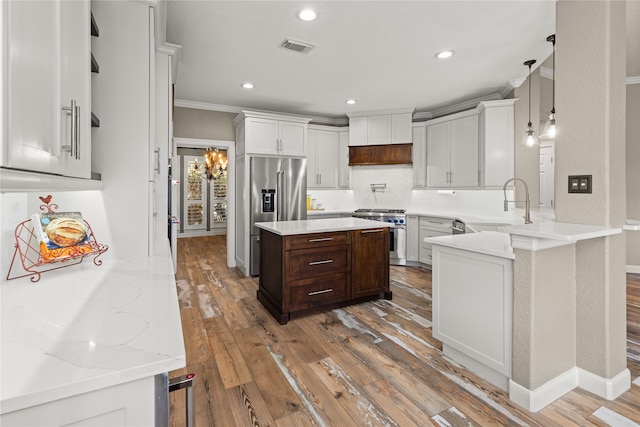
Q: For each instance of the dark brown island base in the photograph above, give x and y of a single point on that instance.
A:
(315, 265)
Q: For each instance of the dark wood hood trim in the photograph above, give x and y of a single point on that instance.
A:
(389, 154)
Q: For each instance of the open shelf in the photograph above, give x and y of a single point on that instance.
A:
(95, 32)
(95, 121)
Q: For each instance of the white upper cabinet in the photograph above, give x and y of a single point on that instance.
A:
(452, 152)
(344, 171)
(271, 134)
(47, 76)
(497, 156)
(323, 148)
(419, 154)
(380, 127)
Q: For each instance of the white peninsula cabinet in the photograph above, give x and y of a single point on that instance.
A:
(323, 148)
(472, 301)
(46, 79)
(452, 151)
(271, 134)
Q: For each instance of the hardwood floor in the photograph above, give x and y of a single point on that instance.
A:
(373, 364)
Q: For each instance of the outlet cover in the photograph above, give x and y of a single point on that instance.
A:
(580, 184)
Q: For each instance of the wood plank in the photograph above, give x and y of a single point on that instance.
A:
(354, 399)
(227, 355)
(250, 369)
(452, 417)
(276, 390)
(396, 404)
(248, 406)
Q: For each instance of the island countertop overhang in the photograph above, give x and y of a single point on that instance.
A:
(327, 225)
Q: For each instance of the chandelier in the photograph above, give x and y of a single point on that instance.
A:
(216, 163)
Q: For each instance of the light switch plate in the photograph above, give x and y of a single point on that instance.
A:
(580, 184)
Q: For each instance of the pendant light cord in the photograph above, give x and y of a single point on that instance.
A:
(552, 39)
(529, 63)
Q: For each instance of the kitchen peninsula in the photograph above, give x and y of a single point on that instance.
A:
(313, 265)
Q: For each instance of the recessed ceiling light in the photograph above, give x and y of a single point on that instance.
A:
(350, 101)
(247, 85)
(307, 14)
(444, 54)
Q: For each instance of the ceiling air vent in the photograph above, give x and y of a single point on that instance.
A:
(297, 45)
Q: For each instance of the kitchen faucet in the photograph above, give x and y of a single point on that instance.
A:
(527, 214)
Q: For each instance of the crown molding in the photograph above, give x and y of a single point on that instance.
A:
(635, 80)
(340, 121)
(206, 106)
(462, 106)
(418, 116)
(547, 73)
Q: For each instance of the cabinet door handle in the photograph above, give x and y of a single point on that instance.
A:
(324, 291)
(377, 230)
(324, 239)
(157, 153)
(326, 261)
(73, 141)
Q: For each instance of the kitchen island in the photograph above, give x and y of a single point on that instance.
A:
(312, 265)
(90, 344)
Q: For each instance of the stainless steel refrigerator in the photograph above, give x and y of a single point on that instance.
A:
(278, 193)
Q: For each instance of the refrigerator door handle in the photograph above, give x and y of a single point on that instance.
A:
(279, 195)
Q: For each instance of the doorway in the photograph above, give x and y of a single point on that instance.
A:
(216, 207)
(547, 170)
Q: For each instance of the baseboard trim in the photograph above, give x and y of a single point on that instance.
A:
(534, 400)
(635, 269)
(607, 388)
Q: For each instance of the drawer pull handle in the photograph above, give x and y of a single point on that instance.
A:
(324, 291)
(377, 230)
(324, 239)
(326, 261)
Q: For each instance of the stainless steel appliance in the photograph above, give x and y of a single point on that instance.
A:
(398, 238)
(278, 193)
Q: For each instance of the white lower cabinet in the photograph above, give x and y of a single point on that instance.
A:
(431, 227)
(413, 238)
(129, 404)
(472, 310)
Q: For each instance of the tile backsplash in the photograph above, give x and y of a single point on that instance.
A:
(400, 194)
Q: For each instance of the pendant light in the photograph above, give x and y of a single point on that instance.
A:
(550, 126)
(530, 138)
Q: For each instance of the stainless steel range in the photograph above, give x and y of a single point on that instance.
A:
(398, 238)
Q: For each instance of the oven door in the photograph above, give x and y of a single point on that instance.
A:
(398, 245)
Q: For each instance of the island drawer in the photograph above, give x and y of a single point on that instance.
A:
(316, 292)
(303, 263)
(316, 240)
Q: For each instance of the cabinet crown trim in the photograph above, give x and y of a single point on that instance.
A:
(264, 115)
(403, 110)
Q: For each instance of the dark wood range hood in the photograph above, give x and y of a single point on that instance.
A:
(388, 154)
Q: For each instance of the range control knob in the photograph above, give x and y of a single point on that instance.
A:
(395, 221)
(402, 221)
(389, 220)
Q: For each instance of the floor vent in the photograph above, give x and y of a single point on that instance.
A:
(297, 45)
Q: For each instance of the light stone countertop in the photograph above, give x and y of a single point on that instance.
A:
(87, 327)
(560, 231)
(286, 228)
(487, 242)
